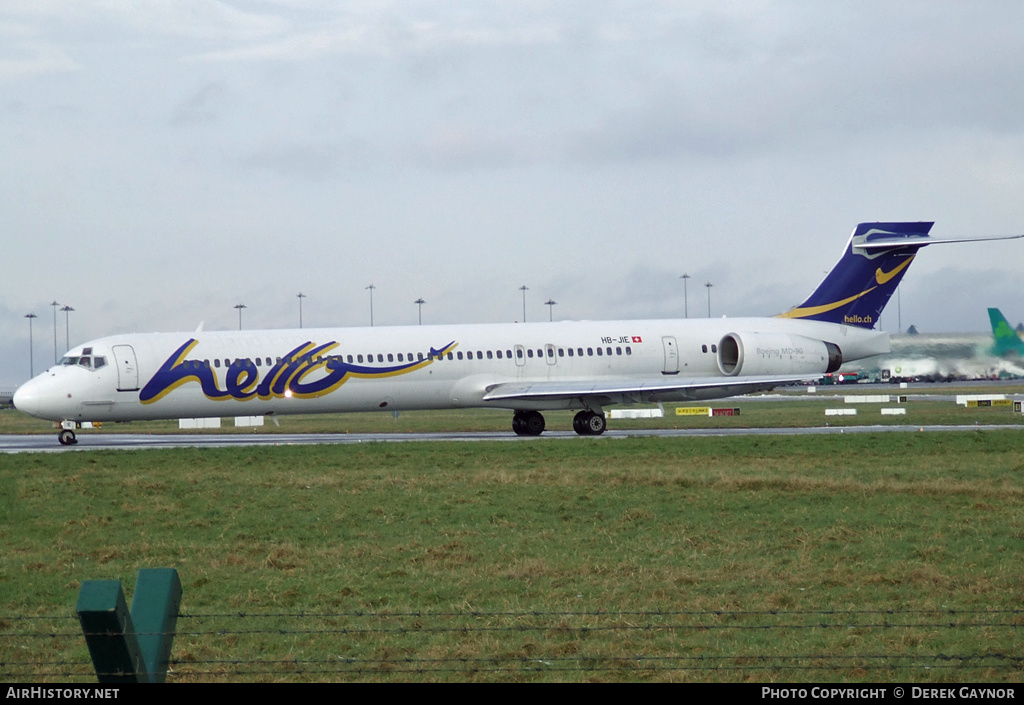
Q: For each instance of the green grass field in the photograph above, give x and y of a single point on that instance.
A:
(841, 558)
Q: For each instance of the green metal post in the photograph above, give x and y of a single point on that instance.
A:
(131, 647)
(155, 614)
(109, 633)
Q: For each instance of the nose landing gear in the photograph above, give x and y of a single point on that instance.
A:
(66, 433)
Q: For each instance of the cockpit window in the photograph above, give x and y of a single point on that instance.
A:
(86, 361)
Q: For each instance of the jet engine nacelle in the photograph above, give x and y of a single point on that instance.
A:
(776, 354)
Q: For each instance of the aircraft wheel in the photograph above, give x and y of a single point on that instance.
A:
(596, 424)
(587, 423)
(67, 438)
(528, 423)
(579, 423)
(534, 423)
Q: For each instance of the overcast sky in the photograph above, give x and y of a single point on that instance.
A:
(164, 160)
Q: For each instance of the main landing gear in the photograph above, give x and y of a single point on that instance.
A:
(589, 423)
(528, 423)
(585, 423)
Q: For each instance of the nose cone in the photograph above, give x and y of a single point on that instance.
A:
(26, 398)
(40, 397)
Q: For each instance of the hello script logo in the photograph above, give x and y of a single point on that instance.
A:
(306, 372)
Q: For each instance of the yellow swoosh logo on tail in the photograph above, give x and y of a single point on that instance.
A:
(815, 310)
(885, 277)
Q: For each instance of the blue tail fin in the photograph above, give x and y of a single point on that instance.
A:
(859, 286)
(1007, 342)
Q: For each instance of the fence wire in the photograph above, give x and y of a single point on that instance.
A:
(449, 645)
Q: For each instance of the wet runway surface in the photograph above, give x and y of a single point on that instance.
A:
(130, 441)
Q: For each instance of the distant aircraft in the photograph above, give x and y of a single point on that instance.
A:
(1007, 342)
(944, 356)
(526, 368)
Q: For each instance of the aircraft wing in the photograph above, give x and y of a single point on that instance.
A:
(635, 390)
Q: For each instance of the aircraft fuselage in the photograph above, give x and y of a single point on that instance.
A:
(206, 374)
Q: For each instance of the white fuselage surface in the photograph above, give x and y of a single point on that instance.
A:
(562, 365)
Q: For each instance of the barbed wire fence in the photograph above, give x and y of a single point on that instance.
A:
(571, 645)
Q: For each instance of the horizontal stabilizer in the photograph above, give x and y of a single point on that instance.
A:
(922, 240)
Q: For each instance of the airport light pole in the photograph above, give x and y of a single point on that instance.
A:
(55, 305)
(370, 289)
(708, 285)
(419, 303)
(240, 307)
(550, 303)
(67, 326)
(524, 289)
(31, 355)
(686, 305)
(899, 310)
(301, 296)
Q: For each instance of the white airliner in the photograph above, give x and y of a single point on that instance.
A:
(527, 368)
